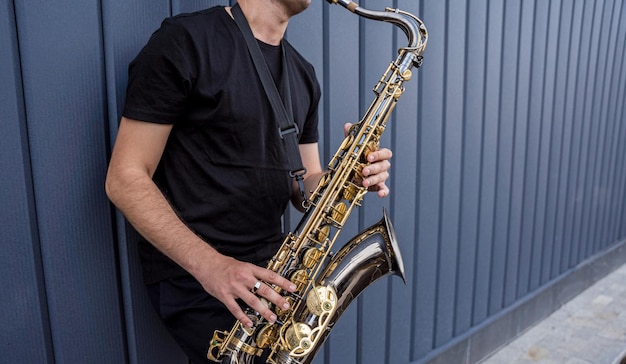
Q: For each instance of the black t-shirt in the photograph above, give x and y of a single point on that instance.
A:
(224, 168)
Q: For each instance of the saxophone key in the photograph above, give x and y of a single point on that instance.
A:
(339, 212)
(300, 278)
(321, 299)
(350, 192)
(267, 336)
(358, 173)
(311, 257)
(281, 311)
(322, 234)
(370, 147)
(297, 336)
(406, 75)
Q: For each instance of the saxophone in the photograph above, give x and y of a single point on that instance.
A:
(328, 282)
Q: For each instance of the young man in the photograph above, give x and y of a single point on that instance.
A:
(199, 170)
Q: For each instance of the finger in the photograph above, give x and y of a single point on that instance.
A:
(380, 155)
(254, 302)
(376, 168)
(376, 179)
(346, 128)
(272, 277)
(272, 296)
(268, 292)
(238, 313)
(257, 285)
(383, 190)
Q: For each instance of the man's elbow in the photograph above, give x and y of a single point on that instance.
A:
(111, 186)
(116, 184)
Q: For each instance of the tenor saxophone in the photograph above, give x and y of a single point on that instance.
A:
(328, 282)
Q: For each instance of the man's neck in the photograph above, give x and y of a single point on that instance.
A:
(267, 19)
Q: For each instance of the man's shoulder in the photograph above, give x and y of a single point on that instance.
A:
(197, 19)
(296, 57)
(199, 14)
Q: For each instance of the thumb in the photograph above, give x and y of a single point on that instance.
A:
(346, 128)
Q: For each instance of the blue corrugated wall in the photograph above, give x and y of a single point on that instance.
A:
(508, 177)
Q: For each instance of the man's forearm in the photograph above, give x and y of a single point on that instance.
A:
(145, 207)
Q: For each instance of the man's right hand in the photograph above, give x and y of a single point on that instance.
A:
(228, 279)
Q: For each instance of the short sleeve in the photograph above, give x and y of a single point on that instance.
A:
(310, 132)
(162, 76)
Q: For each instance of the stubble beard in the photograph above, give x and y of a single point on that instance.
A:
(293, 7)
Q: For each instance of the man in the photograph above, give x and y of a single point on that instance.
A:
(198, 168)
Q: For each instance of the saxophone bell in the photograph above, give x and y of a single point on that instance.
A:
(367, 257)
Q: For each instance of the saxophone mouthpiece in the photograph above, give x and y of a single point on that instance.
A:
(350, 5)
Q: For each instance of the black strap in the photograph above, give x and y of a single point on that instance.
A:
(287, 128)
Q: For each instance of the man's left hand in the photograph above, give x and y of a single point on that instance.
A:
(377, 171)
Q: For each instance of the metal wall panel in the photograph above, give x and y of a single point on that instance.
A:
(60, 49)
(473, 109)
(532, 187)
(23, 309)
(473, 277)
(508, 170)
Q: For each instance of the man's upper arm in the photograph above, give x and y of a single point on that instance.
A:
(139, 145)
(310, 158)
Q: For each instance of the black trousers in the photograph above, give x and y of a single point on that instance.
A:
(190, 314)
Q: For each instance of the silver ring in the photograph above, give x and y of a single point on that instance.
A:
(256, 287)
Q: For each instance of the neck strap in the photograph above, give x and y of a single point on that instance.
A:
(287, 128)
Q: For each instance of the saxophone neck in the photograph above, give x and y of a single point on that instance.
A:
(412, 26)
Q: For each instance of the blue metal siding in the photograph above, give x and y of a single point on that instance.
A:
(61, 63)
(23, 312)
(509, 168)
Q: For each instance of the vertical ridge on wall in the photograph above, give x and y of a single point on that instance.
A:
(392, 133)
(611, 70)
(489, 152)
(532, 175)
(505, 280)
(404, 134)
(620, 115)
(429, 144)
(591, 137)
(375, 53)
(601, 123)
(551, 251)
(522, 145)
(613, 106)
(451, 172)
(579, 121)
(416, 330)
(470, 249)
(569, 114)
